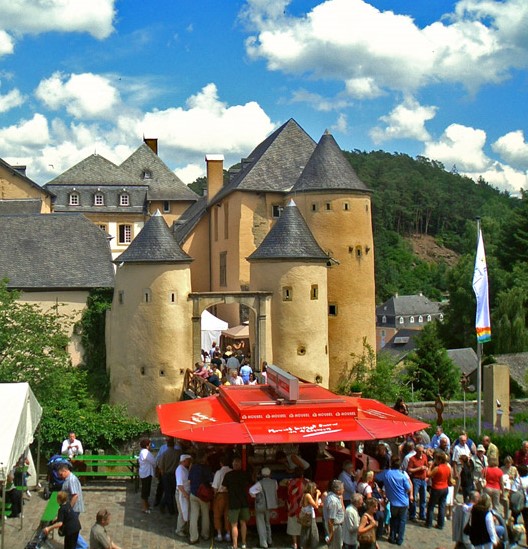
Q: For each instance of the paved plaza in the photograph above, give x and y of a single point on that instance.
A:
(131, 529)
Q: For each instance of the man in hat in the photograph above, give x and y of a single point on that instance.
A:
(480, 462)
(183, 489)
(265, 493)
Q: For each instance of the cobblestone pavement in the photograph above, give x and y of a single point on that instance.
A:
(131, 529)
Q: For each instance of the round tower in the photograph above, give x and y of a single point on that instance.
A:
(337, 207)
(291, 264)
(149, 332)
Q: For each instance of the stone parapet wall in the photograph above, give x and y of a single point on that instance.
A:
(455, 409)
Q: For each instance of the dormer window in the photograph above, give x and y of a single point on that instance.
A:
(276, 211)
(400, 320)
(412, 319)
(74, 199)
(384, 319)
(124, 199)
(98, 199)
(147, 174)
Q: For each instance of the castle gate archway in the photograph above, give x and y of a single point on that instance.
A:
(258, 302)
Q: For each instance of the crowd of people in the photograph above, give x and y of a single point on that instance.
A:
(228, 368)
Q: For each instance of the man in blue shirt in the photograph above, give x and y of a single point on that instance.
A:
(397, 488)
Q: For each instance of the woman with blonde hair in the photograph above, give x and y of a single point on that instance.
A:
(309, 506)
(67, 521)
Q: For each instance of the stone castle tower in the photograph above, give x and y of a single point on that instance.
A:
(291, 264)
(149, 332)
(337, 207)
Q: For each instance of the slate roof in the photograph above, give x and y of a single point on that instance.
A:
(518, 363)
(25, 178)
(54, 251)
(154, 244)
(289, 239)
(403, 305)
(94, 170)
(275, 164)
(401, 344)
(20, 206)
(183, 227)
(466, 359)
(328, 170)
(163, 184)
(137, 195)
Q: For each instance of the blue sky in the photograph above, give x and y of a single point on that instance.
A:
(447, 80)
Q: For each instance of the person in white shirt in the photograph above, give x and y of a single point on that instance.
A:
(72, 446)
(460, 449)
(220, 502)
(147, 463)
(183, 491)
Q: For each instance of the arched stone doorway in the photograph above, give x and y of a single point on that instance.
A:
(258, 302)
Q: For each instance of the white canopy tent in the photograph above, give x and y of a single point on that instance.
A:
(211, 329)
(20, 417)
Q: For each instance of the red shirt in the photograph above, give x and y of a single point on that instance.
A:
(520, 458)
(493, 477)
(440, 480)
(416, 461)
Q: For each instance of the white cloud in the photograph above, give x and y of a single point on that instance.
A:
(370, 50)
(513, 149)
(6, 43)
(11, 100)
(318, 102)
(341, 124)
(205, 125)
(463, 147)
(29, 16)
(83, 95)
(405, 121)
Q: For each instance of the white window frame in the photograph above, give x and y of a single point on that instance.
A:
(124, 199)
(127, 234)
(74, 199)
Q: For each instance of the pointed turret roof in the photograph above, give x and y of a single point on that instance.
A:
(147, 168)
(154, 244)
(289, 239)
(275, 164)
(328, 170)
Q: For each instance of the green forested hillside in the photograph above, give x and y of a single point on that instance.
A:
(418, 196)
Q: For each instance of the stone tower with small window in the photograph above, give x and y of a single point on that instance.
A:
(337, 207)
(149, 333)
(290, 263)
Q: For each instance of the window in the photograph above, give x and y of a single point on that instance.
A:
(98, 199)
(441, 317)
(147, 295)
(384, 319)
(125, 234)
(223, 269)
(166, 206)
(124, 199)
(332, 309)
(346, 206)
(314, 207)
(401, 320)
(103, 227)
(428, 318)
(173, 296)
(411, 320)
(420, 319)
(215, 224)
(359, 252)
(287, 293)
(314, 292)
(121, 297)
(328, 206)
(74, 199)
(147, 174)
(276, 210)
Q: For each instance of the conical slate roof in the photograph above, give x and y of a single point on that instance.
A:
(154, 244)
(328, 170)
(289, 239)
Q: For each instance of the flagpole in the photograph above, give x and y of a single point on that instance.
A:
(479, 367)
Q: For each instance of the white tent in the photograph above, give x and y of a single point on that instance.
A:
(20, 417)
(211, 329)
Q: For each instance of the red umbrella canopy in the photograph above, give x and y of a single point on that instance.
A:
(254, 414)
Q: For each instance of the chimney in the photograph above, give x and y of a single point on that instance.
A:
(152, 143)
(215, 173)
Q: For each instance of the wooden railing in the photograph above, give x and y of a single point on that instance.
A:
(196, 386)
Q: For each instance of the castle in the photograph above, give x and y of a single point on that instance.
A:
(285, 241)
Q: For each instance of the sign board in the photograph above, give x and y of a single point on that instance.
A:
(286, 385)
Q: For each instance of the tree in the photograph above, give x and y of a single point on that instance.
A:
(33, 348)
(429, 367)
